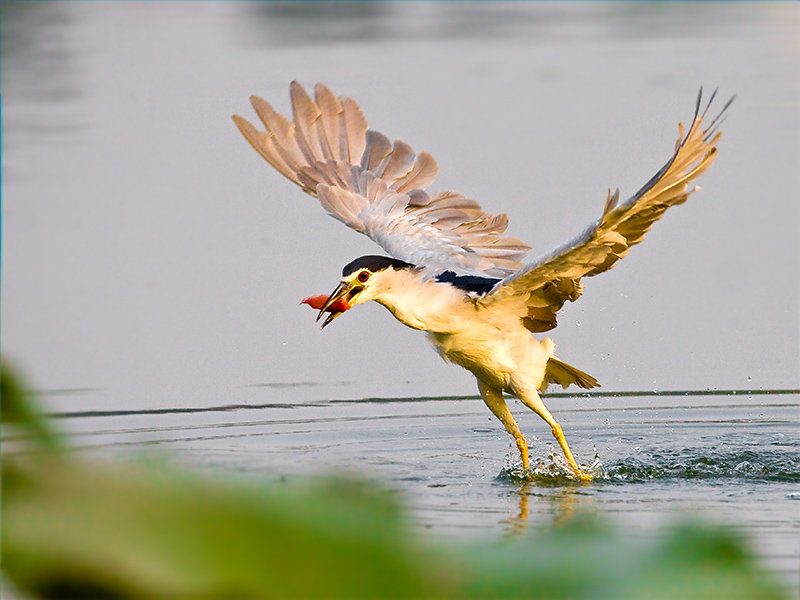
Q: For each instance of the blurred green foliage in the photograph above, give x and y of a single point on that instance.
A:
(18, 409)
(80, 528)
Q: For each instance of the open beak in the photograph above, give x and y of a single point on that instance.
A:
(344, 291)
(331, 316)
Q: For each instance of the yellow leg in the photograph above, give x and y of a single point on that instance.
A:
(494, 400)
(531, 399)
(558, 433)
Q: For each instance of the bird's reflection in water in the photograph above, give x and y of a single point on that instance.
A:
(560, 507)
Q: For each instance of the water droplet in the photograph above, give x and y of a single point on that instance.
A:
(749, 379)
(638, 449)
(577, 323)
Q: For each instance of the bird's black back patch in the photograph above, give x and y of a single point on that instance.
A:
(468, 283)
(374, 264)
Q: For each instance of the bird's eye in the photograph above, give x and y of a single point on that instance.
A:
(363, 276)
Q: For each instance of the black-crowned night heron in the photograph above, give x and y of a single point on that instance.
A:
(451, 274)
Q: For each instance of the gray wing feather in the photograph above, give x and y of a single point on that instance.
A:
(377, 187)
(539, 290)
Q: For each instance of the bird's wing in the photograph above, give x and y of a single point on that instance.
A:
(539, 290)
(377, 187)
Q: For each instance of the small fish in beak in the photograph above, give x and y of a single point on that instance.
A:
(317, 302)
(321, 303)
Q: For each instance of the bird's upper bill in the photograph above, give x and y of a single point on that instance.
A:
(324, 303)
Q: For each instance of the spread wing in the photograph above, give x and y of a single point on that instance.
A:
(538, 291)
(377, 187)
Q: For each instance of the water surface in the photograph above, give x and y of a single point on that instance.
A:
(731, 458)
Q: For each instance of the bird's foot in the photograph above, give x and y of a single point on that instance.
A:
(582, 475)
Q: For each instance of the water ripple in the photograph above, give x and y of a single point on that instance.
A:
(763, 465)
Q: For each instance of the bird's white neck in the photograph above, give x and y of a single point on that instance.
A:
(423, 304)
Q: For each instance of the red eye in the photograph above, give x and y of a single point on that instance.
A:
(363, 276)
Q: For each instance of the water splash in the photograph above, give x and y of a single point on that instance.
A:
(701, 464)
(551, 468)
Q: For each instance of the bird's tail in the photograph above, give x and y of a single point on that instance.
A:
(565, 375)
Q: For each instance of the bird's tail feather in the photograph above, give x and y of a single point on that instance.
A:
(564, 375)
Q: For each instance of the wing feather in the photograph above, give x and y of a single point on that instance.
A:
(343, 205)
(331, 116)
(308, 125)
(354, 130)
(377, 187)
(398, 162)
(421, 175)
(263, 143)
(377, 150)
(538, 291)
(281, 130)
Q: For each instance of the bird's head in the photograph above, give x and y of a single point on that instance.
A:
(364, 279)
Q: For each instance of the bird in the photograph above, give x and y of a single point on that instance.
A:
(450, 272)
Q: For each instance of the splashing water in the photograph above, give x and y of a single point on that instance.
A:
(763, 465)
(551, 468)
